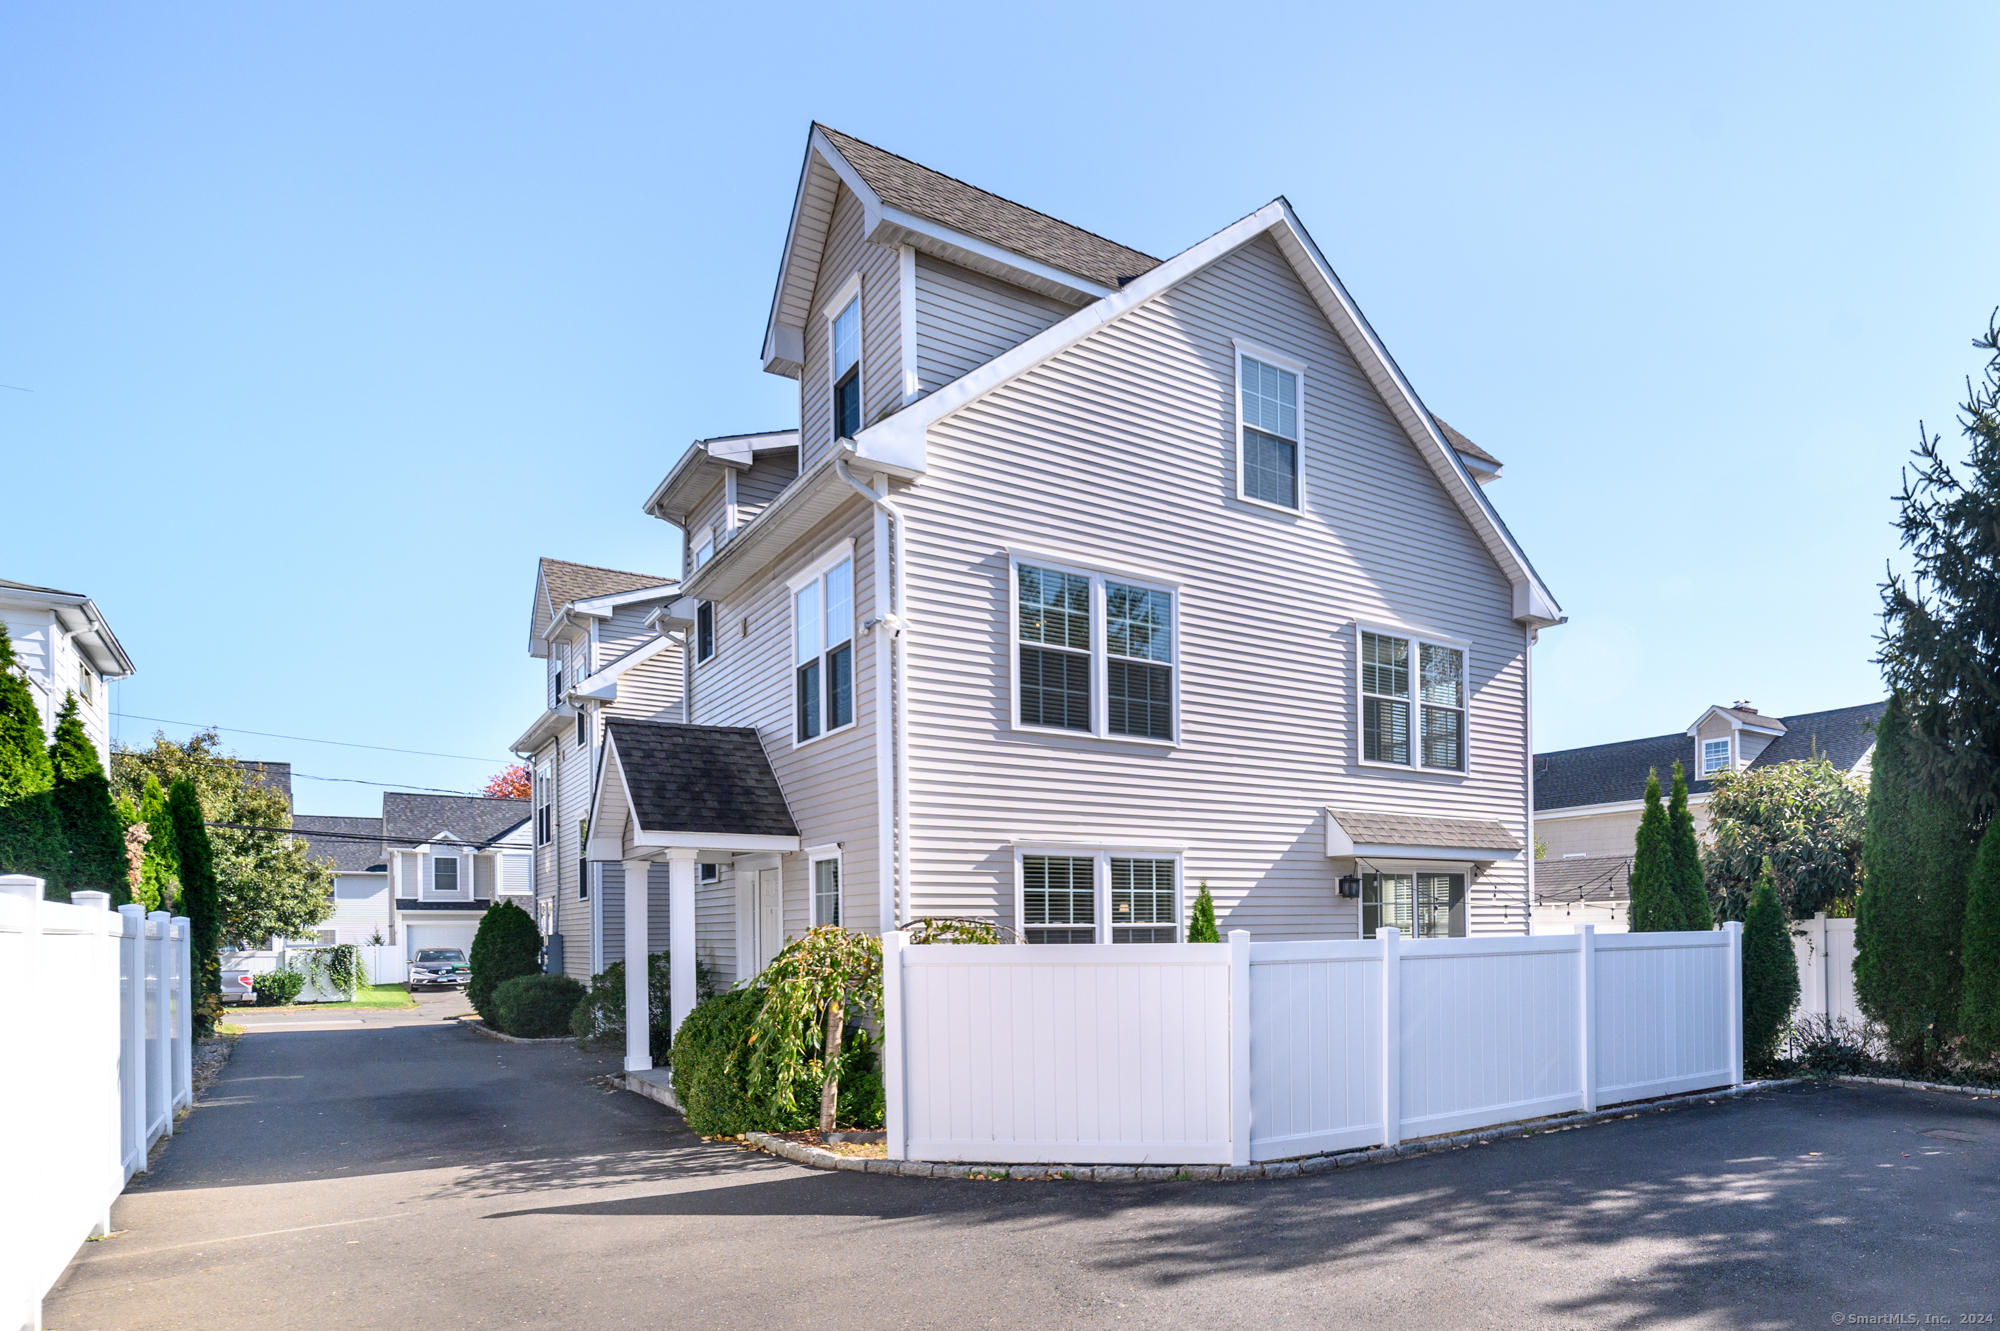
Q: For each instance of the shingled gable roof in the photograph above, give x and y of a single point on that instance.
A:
(1616, 773)
(411, 819)
(559, 583)
(901, 441)
(352, 845)
(706, 780)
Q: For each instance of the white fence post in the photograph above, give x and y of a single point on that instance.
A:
(102, 1033)
(1734, 1035)
(183, 996)
(1586, 1023)
(1239, 1046)
(132, 1037)
(894, 1031)
(1392, 1035)
(159, 1027)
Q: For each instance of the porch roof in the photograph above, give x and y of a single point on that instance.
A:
(667, 785)
(1356, 834)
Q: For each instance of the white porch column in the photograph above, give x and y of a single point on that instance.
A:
(638, 1008)
(680, 934)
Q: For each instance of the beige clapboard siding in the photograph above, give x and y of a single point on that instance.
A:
(881, 330)
(828, 783)
(965, 319)
(1118, 453)
(768, 474)
(651, 690)
(612, 885)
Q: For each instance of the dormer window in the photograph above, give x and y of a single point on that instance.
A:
(847, 370)
(1714, 755)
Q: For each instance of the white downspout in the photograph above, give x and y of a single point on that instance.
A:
(1528, 720)
(892, 753)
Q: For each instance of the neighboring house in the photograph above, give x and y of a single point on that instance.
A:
(64, 646)
(425, 872)
(1095, 577)
(1588, 801)
(594, 627)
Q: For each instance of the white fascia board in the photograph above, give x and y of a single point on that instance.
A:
(956, 246)
(603, 686)
(730, 842)
(677, 616)
(901, 439)
(1455, 854)
(545, 728)
(784, 345)
(1735, 722)
(1608, 807)
(695, 471)
(610, 768)
(603, 607)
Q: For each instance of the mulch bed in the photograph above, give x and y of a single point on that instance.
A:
(812, 1137)
(210, 1057)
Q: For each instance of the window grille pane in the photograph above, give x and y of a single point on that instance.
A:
(840, 602)
(704, 631)
(1270, 469)
(847, 338)
(1385, 731)
(1387, 899)
(1139, 699)
(806, 623)
(809, 700)
(1714, 755)
(1385, 665)
(444, 875)
(1444, 738)
(840, 686)
(1270, 399)
(1443, 669)
(1138, 622)
(826, 892)
(1142, 893)
(1055, 689)
(1058, 890)
(1437, 896)
(1055, 608)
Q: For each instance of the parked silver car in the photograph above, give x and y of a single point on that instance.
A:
(439, 966)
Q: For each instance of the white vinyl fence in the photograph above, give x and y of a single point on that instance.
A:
(98, 1050)
(1235, 1052)
(1825, 949)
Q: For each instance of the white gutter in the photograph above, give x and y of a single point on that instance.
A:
(1528, 636)
(892, 749)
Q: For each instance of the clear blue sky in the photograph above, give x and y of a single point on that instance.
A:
(334, 317)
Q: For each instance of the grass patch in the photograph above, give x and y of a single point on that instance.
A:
(380, 997)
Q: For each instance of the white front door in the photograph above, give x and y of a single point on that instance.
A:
(760, 917)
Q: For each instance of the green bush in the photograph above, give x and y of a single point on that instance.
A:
(278, 988)
(1770, 976)
(601, 1014)
(1979, 1009)
(507, 945)
(1655, 905)
(1201, 929)
(536, 1007)
(712, 1069)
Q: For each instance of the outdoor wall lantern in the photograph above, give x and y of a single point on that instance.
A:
(1350, 885)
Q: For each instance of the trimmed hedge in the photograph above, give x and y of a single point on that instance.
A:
(536, 1007)
(712, 1069)
(507, 945)
(1979, 1009)
(277, 988)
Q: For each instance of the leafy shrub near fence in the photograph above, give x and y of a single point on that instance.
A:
(507, 945)
(277, 988)
(601, 1014)
(712, 1069)
(536, 1007)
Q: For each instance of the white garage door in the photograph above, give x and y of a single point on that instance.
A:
(441, 935)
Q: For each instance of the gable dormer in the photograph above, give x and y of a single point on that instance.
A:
(1730, 738)
(897, 279)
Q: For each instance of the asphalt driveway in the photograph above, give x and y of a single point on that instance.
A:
(424, 1176)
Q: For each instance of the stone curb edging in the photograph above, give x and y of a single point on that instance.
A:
(484, 1029)
(817, 1158)
(1977, 1092)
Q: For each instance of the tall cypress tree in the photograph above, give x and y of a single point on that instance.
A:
(1915, 857)
(92, 830)
(1655, 905)
(1770, 974)
(1979, 951)
(31, 839)
(201, 896)
(160, 867)
(1690, 884)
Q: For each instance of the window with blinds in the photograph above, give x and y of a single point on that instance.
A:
(1055, 648)
(1429, 904)
(1145, 901)
(1413, 710)
(1094, 654)
(1059, 898)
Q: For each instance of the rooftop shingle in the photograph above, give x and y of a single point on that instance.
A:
(704, 779)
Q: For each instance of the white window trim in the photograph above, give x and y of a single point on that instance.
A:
(1413, 867)
(1100, 855)
(544, 785)
(849, 292)
(1728, 755)
(1283, 361)
(1100, 655)
(814, 856)
(841, 550)
(1416, 637)
(427, 871)
(714, 633)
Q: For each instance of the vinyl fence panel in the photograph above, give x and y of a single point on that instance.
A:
(100, 1033)
(1662, 1022)
(1315, 1047)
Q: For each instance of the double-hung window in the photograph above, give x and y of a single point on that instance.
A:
(1425, 904)
(823, 645)
(847, 370)
(1099, 897)
(1269, 435)
(1412, 702)
(545, 805)
(1093, 653)
(825, 888)
(444, 875)
(704, 630)
(1714, 756)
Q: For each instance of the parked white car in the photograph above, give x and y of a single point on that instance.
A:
(445, 967)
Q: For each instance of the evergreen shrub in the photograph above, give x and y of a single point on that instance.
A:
(601, 1014)
(1770, 976)
(201, 899)
(1202, 928)
(278, 988)
(31, 837)
(1655, 904)
(507, 946)
(712, 1070)
(1979, 952)
(1690, 885)
(536, 1007)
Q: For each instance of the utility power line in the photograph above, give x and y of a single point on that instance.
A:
(308, 739)
(138, 757)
